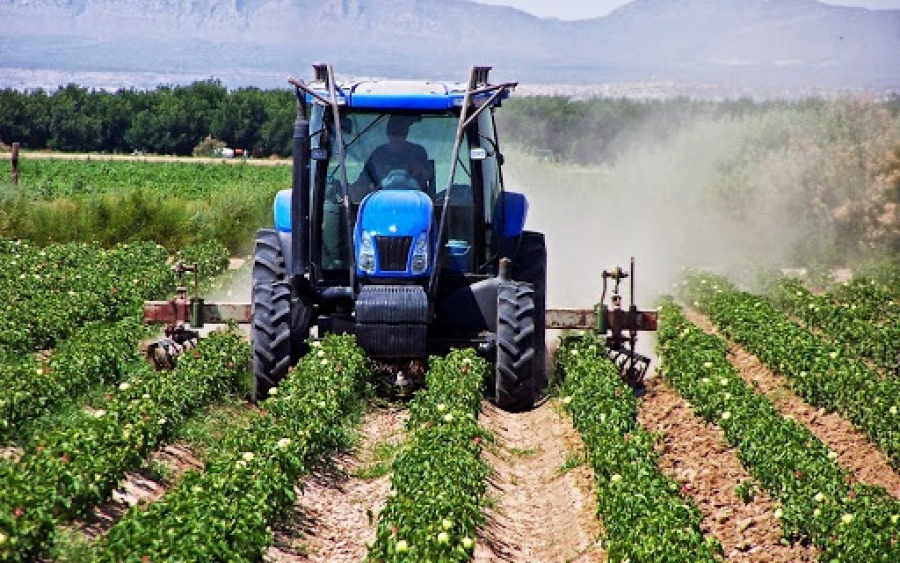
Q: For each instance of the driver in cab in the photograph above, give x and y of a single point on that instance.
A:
(397, 154)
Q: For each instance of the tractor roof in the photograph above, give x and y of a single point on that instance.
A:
(390, 95)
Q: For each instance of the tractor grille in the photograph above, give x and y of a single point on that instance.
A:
(393, 253)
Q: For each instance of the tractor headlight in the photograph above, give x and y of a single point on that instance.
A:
(366, 256)
(420, 254)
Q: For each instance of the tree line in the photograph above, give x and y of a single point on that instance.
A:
(167, 120)
(176, 119)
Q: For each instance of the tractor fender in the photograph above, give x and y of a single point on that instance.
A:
(511, 211)
(282, 211)
(510, 214)
(286, 247)
(282, 216)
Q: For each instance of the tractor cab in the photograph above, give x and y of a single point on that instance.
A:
(392, 155)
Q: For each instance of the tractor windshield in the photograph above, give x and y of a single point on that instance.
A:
(393, 151)
(379, 146)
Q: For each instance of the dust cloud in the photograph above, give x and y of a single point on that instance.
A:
(656, 204)
(235, 285)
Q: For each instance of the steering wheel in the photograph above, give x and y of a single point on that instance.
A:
(399, 179)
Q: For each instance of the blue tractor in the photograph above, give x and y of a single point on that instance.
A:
(414, 254)
(398, 229)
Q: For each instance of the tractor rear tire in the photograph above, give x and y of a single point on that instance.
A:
(280, 322)
(268, 259)
(271, 336)
(514, 367)
(530, 266)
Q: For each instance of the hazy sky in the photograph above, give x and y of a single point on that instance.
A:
(585, 9)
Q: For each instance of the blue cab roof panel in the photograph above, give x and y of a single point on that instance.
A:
(401, 94)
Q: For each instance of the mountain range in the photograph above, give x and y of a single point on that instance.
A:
(753, 44)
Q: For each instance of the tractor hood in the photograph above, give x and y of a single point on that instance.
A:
(392, 238)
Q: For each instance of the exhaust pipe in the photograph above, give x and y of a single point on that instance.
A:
(300, 183)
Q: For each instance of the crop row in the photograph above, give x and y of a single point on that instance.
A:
(645, 516)
(225, 513)
(886, 273)
(71, 297)
(66, 471)
(818, 370)
(439, 479)
(857, 523)
(47, 293)
(31, 387)
(852, 324)
(868, 300)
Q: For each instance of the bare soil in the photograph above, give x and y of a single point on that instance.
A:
(855, 451)
(541, 511)
(696, 455)
(336, 512)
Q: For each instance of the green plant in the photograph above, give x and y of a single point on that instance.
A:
(645, 516)
(250, 482)
(434, 508)
(746, 490)
(573, 460)
(381, 462)
(523, 452)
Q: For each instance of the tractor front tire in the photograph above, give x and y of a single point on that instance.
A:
(515, 384)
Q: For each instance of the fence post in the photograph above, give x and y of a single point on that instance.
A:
(15, 165)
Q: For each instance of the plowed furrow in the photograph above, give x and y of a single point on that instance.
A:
(855, 451)
(543, 509)
(709, 471)
(336, 511)
(140, 487)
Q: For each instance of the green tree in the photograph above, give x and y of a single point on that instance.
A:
(238, 118)
(73, 124)
(277, 131)
(24, 118)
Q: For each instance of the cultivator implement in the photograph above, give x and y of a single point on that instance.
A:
(183, 318)
(618, 324)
